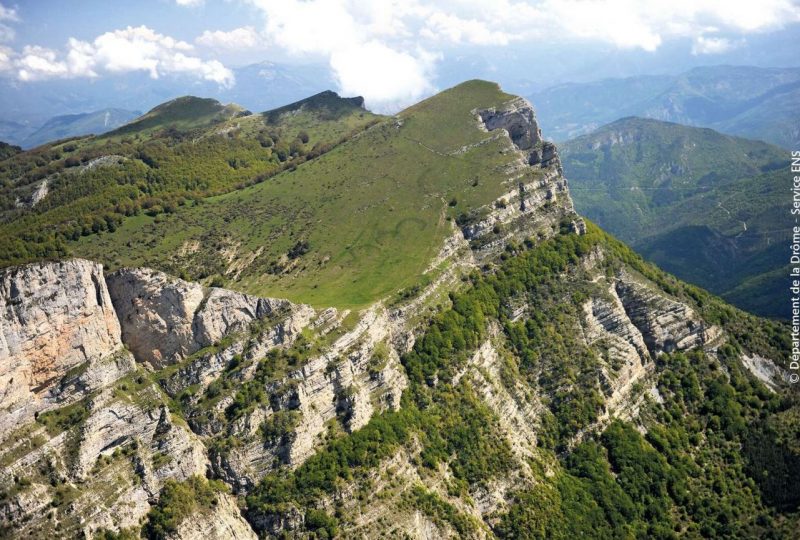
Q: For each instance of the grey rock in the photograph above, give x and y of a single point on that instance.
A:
(165, 319)
(54, 317)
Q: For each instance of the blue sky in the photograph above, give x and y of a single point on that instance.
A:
(391, 51)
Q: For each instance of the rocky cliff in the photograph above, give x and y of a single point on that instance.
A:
(56, 319)
(539, 205)
(94, 365)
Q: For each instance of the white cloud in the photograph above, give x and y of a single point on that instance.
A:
(6, 58)
(454, 29)
(386, 50)
(8, 14)
(645, 24)
(370, 49)
(240, 38)
(382, 75)
(712, 45)
(39, 63)
(405, 31)
(130, 49)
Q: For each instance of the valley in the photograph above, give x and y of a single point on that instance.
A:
(710, 208)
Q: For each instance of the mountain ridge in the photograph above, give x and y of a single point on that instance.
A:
(76, 125)
(703, 205)
(751, 102)
(524, 375)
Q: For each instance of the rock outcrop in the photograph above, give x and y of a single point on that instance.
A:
(518, 118)
(224, 522)
(666, 325)
(356, 377)
(539, 204)
(54, 318)
(165, 319)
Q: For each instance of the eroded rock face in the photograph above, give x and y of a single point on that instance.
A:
(518, 118)
(539, 204)
(156, 313)
(666, 325)
(116, 421)
(345, 383)
(165, 319)
(54, 317)
(224, 522)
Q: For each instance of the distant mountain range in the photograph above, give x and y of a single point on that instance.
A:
(758, 103)
(708, 207)
(28, 107)
(72, 125)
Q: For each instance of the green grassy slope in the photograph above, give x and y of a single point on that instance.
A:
(708, 207)
(181, 113)
(348, 228)
(182, 151)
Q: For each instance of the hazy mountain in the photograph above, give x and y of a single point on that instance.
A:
(758, 103)
(72, 125)
(711, 208)
(258, 87)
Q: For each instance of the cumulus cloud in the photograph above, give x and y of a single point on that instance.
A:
(370, 49)
(240, 38)
(381, 74)
(406, 32)
(387, 50)
(454, 29)
(712, 45)
(39, 63)
(130, 49)
(6, 59)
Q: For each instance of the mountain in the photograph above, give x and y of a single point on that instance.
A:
(174, 155)
(181, 114)
(757, 103)
(708, 207)
(15, 132)
(258, 87)
(74, 125)
(408, 332)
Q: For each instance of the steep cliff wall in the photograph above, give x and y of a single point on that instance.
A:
(539, 205)
(56, 319)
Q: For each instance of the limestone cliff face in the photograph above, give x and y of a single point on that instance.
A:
(54, 317)
(539, 204)
(94, 349)
(165, 319)
(633, 323)
(224, 522)
(518, 118)
(344, 384)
